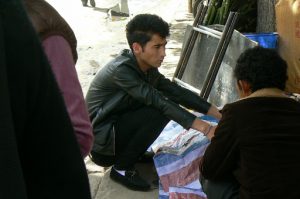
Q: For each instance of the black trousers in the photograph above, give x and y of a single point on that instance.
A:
(136, 130)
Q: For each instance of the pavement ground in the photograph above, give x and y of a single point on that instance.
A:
(100, 38)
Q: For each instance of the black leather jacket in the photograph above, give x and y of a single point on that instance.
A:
(121, 86)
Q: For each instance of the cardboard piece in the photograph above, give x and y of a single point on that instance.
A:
(288, 28)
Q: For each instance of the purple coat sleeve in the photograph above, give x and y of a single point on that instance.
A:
(60, 57)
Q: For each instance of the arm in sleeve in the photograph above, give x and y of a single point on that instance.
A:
(129, 80)
(221, 156)
(60, 57)
(182, 96)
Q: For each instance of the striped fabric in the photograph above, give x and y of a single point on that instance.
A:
(177, 165)
(177, 156)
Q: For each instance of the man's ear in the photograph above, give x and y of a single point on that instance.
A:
(245, 87)
(136, 47)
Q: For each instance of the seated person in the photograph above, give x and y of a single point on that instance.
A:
(254, 152)
(131, 93)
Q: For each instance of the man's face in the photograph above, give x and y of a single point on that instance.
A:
(152, 54)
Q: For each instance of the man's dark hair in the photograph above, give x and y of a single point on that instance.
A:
(261, 68)
(141, 28)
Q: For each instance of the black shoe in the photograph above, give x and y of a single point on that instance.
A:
(131, 180)
(147, 157)
(118, 14)
(92, 2)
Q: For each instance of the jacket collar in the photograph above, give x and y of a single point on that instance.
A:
(133, 62)
(127, 53)
(268, 92)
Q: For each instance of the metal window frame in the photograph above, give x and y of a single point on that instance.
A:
(224, 39)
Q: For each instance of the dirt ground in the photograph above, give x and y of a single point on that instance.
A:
(100, 38)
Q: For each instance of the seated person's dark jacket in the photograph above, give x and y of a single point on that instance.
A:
(258, 140)
(121, 86)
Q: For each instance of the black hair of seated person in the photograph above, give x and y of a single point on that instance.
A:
(141, 28)
(40, 157)
(261, 68)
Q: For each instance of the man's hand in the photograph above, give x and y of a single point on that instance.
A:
(204, 127)
(200, 125)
